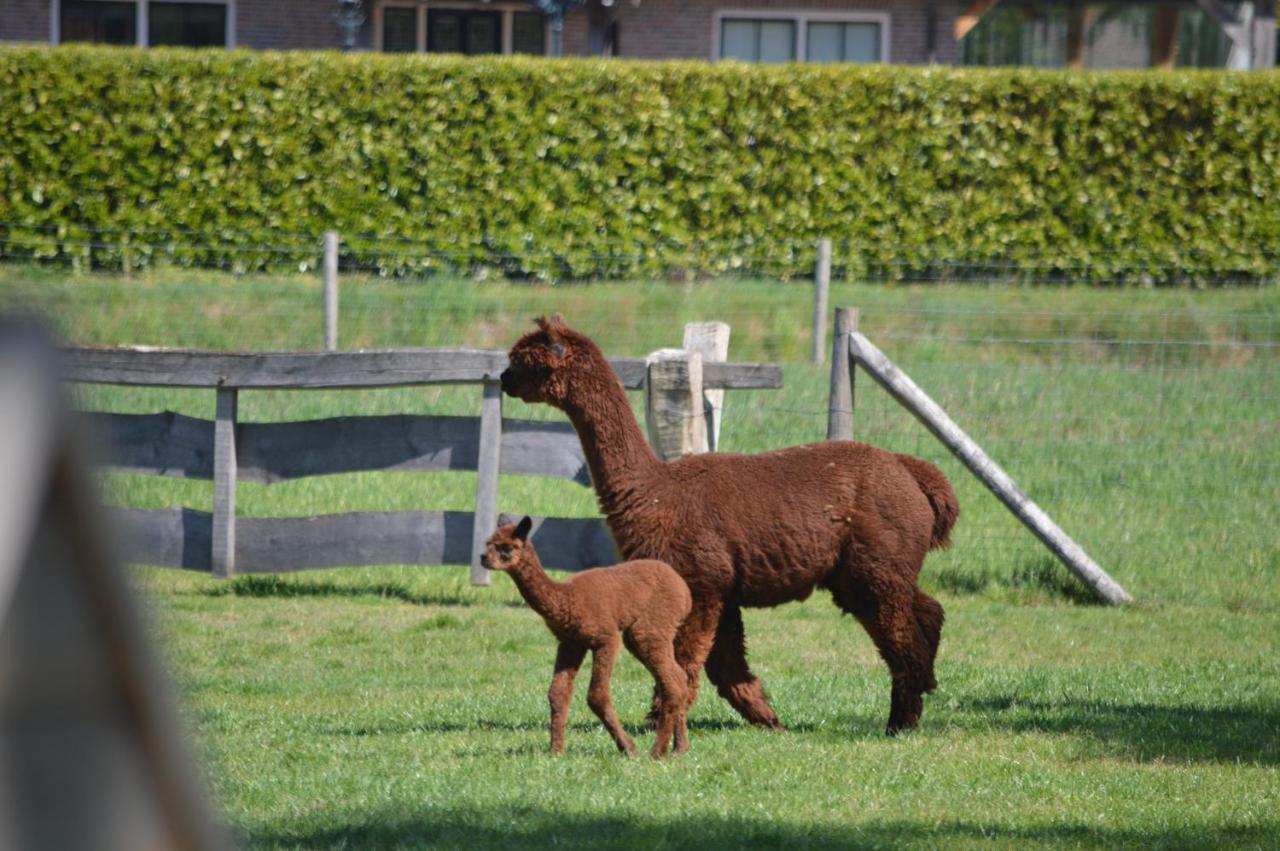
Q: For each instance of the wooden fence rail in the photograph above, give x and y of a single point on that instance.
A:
(226, 451)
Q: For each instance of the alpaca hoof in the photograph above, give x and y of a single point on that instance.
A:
(769, 722)
(896, 727)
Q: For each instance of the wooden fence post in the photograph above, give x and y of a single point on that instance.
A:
(928, 412)
(224, 484)
(330, 290)
(487, 463)
(711, 341)
(674, 404)
(821, 284)
(840, 398)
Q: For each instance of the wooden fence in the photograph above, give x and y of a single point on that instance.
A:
(226, 451)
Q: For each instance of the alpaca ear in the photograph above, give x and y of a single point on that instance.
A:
(522, 530)
(552, 328)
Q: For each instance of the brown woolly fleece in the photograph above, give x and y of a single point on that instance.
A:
(756, 530)
(643, 601)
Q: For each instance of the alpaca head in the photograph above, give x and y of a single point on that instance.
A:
(506, 547)
(542, 364)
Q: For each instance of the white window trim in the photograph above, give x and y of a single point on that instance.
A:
(802, 19)
(506, 12)
(142, 36)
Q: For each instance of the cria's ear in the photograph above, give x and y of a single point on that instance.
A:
(522, 529)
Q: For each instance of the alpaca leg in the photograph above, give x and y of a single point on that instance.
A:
(886, 609)
(598, 697)
(929, 615)
(568, 659)
(656, 652)
(727, 669)
(692, 644)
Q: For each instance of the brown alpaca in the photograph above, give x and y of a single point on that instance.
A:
(644, 601)
(756, 530)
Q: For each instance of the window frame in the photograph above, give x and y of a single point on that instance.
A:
(506, 13)
(801, 18)
(142, 29)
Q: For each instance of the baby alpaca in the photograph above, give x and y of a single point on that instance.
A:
(644, 601)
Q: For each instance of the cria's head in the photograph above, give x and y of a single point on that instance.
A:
(506, 547)
(542, 365)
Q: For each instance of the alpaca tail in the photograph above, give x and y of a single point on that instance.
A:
(937, 489)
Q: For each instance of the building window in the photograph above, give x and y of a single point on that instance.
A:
(843, 41)
(99, 22)
(456, 31)
(452, 28)
(187, 24)
(758, 40)
(144, 22)
(399, 29)
(762, 36)
(528, 33)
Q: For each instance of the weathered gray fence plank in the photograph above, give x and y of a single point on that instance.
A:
(170, 444)
(674, 405)
(821, 286)
(164, 537)
(301, 370)
(224, 484)
(375, 368)
(330, 290)
(840, 400)
(711, 341)
(180, 538)
(487, 463)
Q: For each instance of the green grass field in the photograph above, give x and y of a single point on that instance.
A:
(399, 707)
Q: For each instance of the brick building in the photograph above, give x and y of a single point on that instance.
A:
(908, 31)
(1043, 32)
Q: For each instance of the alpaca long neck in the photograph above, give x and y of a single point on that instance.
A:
(617, 453)
(543, 594)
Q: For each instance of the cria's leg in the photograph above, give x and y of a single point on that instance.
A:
(568, 659)
(598, 697)
(655, 651)
(727, 668)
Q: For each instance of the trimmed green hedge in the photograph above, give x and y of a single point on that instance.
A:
(586, 168)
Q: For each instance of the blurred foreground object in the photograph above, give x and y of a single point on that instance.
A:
(91, 754)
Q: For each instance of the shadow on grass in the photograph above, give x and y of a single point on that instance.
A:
(1143, 731)
(530, 827)
(584, 724)
(1043, 575)
(275, 586)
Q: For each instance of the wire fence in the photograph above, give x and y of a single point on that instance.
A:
(595, 257)
(1146, 423)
